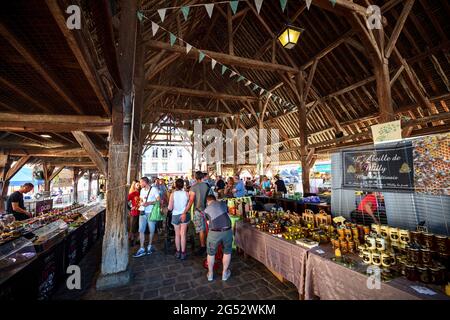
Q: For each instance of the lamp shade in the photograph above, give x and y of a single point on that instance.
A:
(289, 36)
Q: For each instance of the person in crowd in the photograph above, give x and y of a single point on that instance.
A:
(265, 184)
(178, 203)
(207, 180)
(134, 200)
(197, 198)
(149, 196)
(15, 204)
(220, 232)
(368, 210)
(228, 192)
(101, 192)
(249, 184)
(161, 183)
(220, 186)
(279, 185)
(239, 187)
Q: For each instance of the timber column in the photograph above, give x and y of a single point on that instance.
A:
(114, 268)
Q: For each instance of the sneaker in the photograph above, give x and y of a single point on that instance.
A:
(210, 276)
(183, 256)
(139, 253)
(177, 255)
(150, 249)
(226, 275)
(201, 251)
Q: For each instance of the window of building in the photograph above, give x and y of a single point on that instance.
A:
(180, 153)
(155, 153)
(155, 166)
(165, 153)
(180, 166)
(164, 166)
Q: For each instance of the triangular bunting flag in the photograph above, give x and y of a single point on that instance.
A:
(182, 122)
(207, 120)
(173, 38)
(249, 115)
(234, 6)
(232, 117)
(224, 69)
(188, 47)
(162, 14)
(267, 113)
(255, 86)
(283, 4)
(185, 11)
(201, 56)
(215, 119)
(240, 78)
(261, 92)
(241, 116)
(155, 28)
(209, 8)
(333, 2)
(190, 121)
(232, 74)
(276, 112)
(140, 15)
(213, 63)
(248, 83)
(258, 4)
(257, 114)
(308, 3)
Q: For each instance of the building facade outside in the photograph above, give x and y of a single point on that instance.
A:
(166, 161)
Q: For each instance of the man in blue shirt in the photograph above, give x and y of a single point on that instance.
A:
(239, 188)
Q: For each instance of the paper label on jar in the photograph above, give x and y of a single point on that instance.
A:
(424, 290)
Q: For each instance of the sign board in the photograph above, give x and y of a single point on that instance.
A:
(44, 206)
(379, 168)
(387, 132)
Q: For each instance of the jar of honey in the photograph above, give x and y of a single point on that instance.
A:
(366, 230)
(415, 237)
(428, 240)
(411, 272)
(376, 228)
(370, 243)
(404, 236)
(426, 256)
(355, 233)
(351, 246)
(393, 234)
(386, 260)
(441, 244)
(367, 256)
(344, 246)
(335, 243)
(348, 233)
(413, 255)
(341, 233)
(376, 258)
(380, 243)
(437, 275)
(424, 274)
(361, 249)
(384, 231)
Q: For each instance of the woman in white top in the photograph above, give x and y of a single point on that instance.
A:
(178, 203)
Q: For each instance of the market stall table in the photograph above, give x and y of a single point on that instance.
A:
(284, 257)
(329, 280)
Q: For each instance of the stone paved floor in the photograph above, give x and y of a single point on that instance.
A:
(161, 276)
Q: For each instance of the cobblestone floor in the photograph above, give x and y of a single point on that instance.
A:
(161, 276)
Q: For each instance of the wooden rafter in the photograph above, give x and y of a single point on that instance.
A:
(90, 148)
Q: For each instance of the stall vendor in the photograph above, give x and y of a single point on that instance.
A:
(15, 204)
(368, 211)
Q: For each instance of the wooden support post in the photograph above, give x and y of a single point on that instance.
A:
(48, 171)
(89, 185)
(115, 251)
(5, 165)
(76, 172)
(384, 90)
(301, 86)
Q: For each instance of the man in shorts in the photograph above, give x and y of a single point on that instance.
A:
(220, 232)
(197, 197)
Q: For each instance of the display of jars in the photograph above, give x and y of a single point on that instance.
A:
(426, 257)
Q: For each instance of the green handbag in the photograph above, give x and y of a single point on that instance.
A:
(156, 215)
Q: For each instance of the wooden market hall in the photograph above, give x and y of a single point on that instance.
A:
(90, 87)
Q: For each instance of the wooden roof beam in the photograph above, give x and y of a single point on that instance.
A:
(398, 28)
(341, 7)
(223, 58)
(44, 72)
(51, 153)
(90, 148)
(79, 48)
(200, 93)
(17, 166)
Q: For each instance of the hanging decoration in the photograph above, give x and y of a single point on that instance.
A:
(234, 6)
(185, 11)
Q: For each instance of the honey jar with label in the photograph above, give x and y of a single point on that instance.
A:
(341, 233)
(415, 237)
(413, 255)
(361, 249)
(355, 233)
(437, 275)
(335, 243)
(380, 243)
(441, 244)
(351, 246)
(428, 240)
(384, 231)
(393, 234)
(426, 257)
(376, 258)
(344, 246)
(376, 228)
(424, 274)
(386, 260)
(366, 230)
(411, 272)
(367, 256)
(348, 233)
(370, 243)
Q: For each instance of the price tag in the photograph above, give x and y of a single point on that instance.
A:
(424, 290)
(320, 251)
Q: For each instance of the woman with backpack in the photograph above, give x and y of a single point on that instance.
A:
(178, 204)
